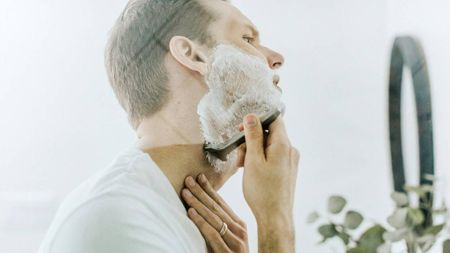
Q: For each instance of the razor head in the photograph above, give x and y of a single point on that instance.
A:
(222, 150)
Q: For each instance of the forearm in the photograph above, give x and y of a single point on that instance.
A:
(276, 234)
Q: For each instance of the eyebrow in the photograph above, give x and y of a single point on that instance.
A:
(254, 30)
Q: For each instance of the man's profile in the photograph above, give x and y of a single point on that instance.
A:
(185, 72)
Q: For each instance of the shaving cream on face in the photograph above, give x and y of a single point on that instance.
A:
(239, 84)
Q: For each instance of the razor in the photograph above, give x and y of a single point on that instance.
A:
(222, 150)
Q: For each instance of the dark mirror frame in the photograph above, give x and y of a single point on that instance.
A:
(407, 52)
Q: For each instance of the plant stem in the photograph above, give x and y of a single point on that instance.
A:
(411, 247)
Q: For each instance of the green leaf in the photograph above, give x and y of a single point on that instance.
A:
(353, 219)
(384, 248)
(395, 235)
(372, 239)
(344, 237)
(400, 198)
(446, 246)
(415, 216)
(328, 231)
(312, 217)
(434, 230)
(420, 190)
(356, 250)
(336, 204)
(426, 242)
(398, 218)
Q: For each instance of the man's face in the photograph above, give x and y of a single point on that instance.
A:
(232, 27)
(241, 80)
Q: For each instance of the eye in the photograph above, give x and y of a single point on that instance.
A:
(248, 39)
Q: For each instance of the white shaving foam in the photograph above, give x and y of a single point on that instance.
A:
(239, 84)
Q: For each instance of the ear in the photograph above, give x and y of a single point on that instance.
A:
(188, 54)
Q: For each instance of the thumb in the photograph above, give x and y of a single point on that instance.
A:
(253, 136)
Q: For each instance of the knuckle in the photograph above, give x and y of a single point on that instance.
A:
(215, 236)
(200, 194)
(207, 188)
(242, 233)
(190, 202)
(255, 132)
(220, 202)
(218, 221)
(210, 191)
(193, 201)
(215, 207)
(201, 224)
(196, 189)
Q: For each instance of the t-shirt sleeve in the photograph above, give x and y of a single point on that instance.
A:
(112, 224)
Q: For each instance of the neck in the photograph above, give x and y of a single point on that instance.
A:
(190, 161)
(173, 139)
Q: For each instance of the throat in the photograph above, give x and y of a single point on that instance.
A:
(180, 161)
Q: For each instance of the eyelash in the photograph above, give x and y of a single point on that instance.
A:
(248, 39)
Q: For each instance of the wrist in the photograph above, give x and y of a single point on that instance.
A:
(275, 220)
(276, 233)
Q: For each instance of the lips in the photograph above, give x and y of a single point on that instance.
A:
(276, 80)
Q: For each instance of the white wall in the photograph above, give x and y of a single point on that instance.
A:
(61, 123)
(334, 82)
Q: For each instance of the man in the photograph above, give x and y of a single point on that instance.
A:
(183, 70)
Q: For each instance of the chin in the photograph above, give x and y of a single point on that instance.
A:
(221, 177)
(220, 166)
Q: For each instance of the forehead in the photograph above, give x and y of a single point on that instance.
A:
(229, 18)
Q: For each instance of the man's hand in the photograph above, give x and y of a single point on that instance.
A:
(209, 212)
(270, 175)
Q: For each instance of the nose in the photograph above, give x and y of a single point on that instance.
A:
(274, 59)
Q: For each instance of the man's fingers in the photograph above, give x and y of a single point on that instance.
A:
(277, 133)
(240, 161)
(206, 186)
(212, 219)
(254, 138)
(209, 204)
(241, 127)
(207, 214)
(211, 235)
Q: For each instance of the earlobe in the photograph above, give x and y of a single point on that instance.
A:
(187, 54)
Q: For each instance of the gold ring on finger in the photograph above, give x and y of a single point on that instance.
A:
(224, 229)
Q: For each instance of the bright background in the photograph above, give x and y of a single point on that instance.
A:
(60, 121)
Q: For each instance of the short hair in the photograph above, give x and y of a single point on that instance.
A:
(138, 44)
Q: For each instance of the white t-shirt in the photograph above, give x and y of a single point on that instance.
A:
(130, 207)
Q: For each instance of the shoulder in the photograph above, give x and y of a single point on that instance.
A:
(112, 223)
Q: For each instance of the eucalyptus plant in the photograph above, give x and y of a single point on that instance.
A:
(406, 224)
